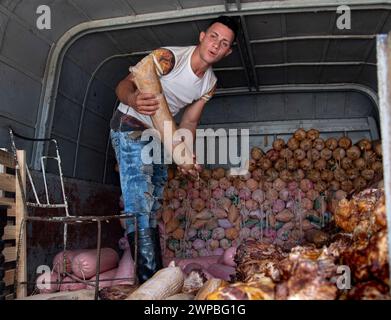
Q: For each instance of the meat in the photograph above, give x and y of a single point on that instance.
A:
(69, 284)
(304, 273)
(257, 260)
(194, 281)
(356, 215)
(368, 259)
(371, 290)
(221, 271)
(309, 281)
(125, 270)
(119, 292)
(263, 289)
(84, 264)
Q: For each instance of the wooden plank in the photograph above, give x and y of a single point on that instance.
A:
(11, 212)
(20, 215)
(9, 233)
(9, 277)
(7, 201)
(9, 254)
(7, 182)
(2, 170)
(7, 159)
(10, 202)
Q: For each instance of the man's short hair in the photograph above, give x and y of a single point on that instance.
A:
(228, 22)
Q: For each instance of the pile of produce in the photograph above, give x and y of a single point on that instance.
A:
(289, 194)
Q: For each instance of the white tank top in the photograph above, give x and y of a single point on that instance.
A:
(181, 86)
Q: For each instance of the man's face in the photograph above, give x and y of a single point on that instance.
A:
(215, 43)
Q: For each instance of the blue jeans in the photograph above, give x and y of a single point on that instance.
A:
(142, 184)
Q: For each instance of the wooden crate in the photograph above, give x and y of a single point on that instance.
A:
(15, 214)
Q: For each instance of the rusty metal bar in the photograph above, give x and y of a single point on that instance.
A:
(77, 219)
(65, 220)
(45, 206)
(77, 280)
(87, 282)
(98, 247)
(384, 80)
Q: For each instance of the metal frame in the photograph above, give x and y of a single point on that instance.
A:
(84, 104)
(306, 87)
(384, 77)
(57, 53)
(249, 53)
(331, 63)
(290, 126)
(319, 37)
(369, 50)
(65, 220)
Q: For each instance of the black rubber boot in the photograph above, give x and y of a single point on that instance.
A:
(158, 250)
(147, 262)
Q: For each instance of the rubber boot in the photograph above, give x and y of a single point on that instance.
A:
(158, 250)
(147, 264)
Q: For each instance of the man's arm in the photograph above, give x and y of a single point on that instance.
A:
(189, 121)
(126, 89)
(192, 114)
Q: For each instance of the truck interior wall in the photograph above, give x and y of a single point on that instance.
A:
(277, 115)
(91, 113)
(288, 106)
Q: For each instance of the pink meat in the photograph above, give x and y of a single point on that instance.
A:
(84, 264)
(192, 266)
(58, 261)
(125, 269)
(205, 262)
(102, 277)
(221, 271)
(72, 285)
(229, 256)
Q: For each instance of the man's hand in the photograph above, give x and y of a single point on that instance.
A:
(144, 103)
(193, 172)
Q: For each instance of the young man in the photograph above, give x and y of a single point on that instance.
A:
(188, 81)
